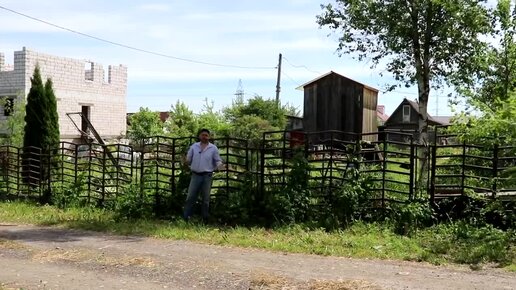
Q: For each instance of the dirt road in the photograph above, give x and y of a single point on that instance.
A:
(53, 258)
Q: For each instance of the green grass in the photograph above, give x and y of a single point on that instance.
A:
(439, 245)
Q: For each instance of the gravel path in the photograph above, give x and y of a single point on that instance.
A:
(53, 258)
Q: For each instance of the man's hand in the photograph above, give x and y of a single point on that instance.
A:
(184, 161)
(221, 166)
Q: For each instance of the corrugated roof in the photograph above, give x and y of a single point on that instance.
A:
(332, 72)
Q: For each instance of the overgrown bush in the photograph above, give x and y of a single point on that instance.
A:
(406, 218)
(66, 195)
(133, 204)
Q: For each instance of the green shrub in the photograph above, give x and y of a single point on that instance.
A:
(133, 204)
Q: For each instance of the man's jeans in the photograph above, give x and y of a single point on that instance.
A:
(198, 183)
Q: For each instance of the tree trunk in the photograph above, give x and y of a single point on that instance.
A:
(422, 135)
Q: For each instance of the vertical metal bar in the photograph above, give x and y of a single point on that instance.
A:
(262, 167)
(173, 173)
(283, 159)
(411, 171)
(227, 169)
(156, 160)
(433, 172)
(384, 167)
(103, 184)
(76, 163)
(495, 169)
(330, 167)
(463, 166)
(247, 155)
(142, 158)
(49, 182)
(18, 172)
(89, 171)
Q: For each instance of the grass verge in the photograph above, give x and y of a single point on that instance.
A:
(453, 243)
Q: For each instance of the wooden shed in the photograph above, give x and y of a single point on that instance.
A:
(335, 102)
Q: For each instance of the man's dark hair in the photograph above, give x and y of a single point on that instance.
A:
(203, 131)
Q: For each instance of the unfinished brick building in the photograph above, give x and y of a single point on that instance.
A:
(79, 85)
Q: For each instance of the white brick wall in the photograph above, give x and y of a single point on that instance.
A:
(107, 99)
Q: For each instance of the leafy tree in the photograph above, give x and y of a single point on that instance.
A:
(494, 75)
(251, 127)
(182, 122)
(14, 125)
(421, 42)
(258, 106)
(144, 124)
(214, 121)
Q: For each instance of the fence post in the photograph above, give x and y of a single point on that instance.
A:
(283, 157)
(330, 168)
(463, 166)
(262, 167)
(157, 197)
(495, 169)
(227, 166)
(49, 168)
(384, 167)
(76, 163)
(173, 173)
(411, 171)
(433, 172)
(18, 171)
(142, 158)
(104, 148)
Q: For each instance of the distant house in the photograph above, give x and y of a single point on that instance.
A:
(381, 117)
(405, 120)
(335, 102)
(294, 123)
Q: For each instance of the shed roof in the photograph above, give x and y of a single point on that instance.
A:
(332, 72)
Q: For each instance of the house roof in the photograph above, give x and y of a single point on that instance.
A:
(439, 120)
(332, 72)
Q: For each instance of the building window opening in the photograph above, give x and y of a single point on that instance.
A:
(88, 71)
(85, 110)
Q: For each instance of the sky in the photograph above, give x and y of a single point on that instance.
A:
(246, 33)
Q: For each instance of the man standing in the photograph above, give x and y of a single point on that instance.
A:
(203, 158)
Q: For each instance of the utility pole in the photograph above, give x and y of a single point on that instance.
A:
(278, 88)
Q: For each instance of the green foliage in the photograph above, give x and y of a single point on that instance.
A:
(41, 131)
(133, 204)
(467, 244)
(214, 121)
(493, 78)
(69, 196)
(292, 203)
(496, 125)
(352, 202)
(50, 128)
(14, 125)
(267, 110)
(144, 124)
(34, 120)
(429, 40)
(409, 217)
(182, 122)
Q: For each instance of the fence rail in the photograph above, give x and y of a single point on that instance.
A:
(333, 160)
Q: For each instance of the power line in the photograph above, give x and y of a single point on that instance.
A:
(290, 78)
(132, 47)
(300, 66)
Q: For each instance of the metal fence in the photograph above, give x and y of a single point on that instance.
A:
(101, 173)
